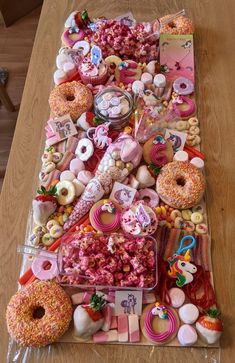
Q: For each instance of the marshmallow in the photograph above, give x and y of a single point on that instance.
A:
(198, 162)
(147, 78)
(187, 335)
(177, 297)
(181, 156)
(137, 87)
(159, 80)
(67, 175)
(188, 313)
(76, 165)
(84, 176)
(70, 69)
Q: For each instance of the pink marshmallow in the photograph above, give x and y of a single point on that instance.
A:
(104, 337)
(84, 176)
(123, 328)
(76, 165)
(134, 331)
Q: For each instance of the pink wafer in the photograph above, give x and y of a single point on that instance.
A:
(105, 337)
(134, 330)
(123, 328)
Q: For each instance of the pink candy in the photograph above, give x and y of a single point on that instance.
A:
(89, 260)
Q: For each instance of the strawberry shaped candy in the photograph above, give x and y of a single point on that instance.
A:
(88, 319)
(44, 205)
(82, 19)
(209, 326)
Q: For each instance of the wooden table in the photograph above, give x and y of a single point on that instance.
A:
(215, 61)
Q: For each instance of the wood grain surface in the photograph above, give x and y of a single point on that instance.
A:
(215, 60)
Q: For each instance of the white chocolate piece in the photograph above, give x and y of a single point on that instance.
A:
(198, 162)
(159, 80)
(144, 177)
(69, 68)
(177, 297)
(188, 313)
(79, 187)
(208, 336)
(181, 156)
(187, 335)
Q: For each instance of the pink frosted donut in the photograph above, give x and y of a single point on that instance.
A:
(69, 39)
(149, 196)
(183, 86)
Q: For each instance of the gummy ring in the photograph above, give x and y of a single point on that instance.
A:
(38, 266)
(190, 110)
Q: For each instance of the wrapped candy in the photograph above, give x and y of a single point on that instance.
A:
(120, 158)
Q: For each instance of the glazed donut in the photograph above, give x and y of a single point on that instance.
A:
(183, 86)
(70, 97)
(85, 149)
(151, 195)
(38, 314)
(180, 25)
(180, 185)
(69, 39)
(65, 192)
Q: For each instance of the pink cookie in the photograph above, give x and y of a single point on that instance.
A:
(84, 176)
(177, 297)
(187, 335)
(76, 165)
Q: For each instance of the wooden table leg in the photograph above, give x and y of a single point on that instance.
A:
(5, 99)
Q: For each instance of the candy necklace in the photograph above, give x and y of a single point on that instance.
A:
(106, 227)
(163, 313)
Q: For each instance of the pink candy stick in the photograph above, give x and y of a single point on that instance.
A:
(107, 311)
(104, 337)
(149, 298)
(113, 324)
(123, 328)
(134, 331)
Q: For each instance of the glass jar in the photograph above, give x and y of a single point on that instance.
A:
(114, 105)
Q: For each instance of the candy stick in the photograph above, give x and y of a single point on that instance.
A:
(123, 328)
(28, 275)
(192, 152)
(134, 331)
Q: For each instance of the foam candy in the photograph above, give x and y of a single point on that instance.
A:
(104, 337)
(123, 328)
(134, 331)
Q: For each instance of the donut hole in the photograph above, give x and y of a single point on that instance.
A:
(172, 25)
(64, 192)
(83, 149)
(70, 97)
(181, 181)
(146, 199)
(38, 312)
(183, 85)
(46, 265)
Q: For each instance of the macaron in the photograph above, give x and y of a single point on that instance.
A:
(177, 297)
(187, 335)
(188, 313)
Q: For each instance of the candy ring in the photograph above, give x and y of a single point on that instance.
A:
(151, 196)
(39, 264)
(65, 192)
(104, 209)
(191, 107)
(163, 313)
(85, 149)
(70, 39)
(82, 45)
(183, 86)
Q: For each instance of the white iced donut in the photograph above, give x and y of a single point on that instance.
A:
(65, 192)
(85, 149)
(83, 45)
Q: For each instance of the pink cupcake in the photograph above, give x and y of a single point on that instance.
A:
(92, 73)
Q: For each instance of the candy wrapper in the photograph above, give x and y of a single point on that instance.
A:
(120, 158)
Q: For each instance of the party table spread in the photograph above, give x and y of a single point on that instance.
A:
(139, 216)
